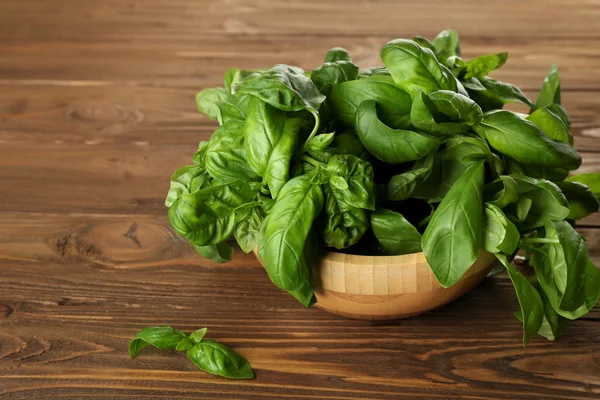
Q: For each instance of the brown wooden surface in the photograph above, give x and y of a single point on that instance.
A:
(96, 112)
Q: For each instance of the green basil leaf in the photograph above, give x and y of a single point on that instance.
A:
(582, 201)
(395, 234)
(228, 112)
(550, 93)
(499, 233)
(271, 137)
(161, 337)
(532, 308)
(216, 358)
(453, 237)
(207, 98)
(425, 116)
(337, 54)
(225, 157)
(545, 202)
(219, 253)
(345, 143)
(197, 336)
(338, 182)
(198, 156)
(320, 142)
(457, 107)
(358, 175)
(496, 93)
(402, 186)
(249, 219)
(331, 74)
(446, 45)
(501, 192)
(393, 102)
(393, 146)
(552, 124)
(483, 65)
(207, 216)
(522, 140)
(424, 42)
(229, 78)
(375, 71)
(186, 180)
(344, 224)
(553, 323)
(415, 68)
(592, 180)
(561, 112)
(283, 236)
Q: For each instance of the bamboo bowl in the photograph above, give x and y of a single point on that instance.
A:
(387, 287)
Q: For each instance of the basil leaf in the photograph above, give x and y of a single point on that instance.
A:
(446, 45)
(359, 190)
(552, 124)
(591, 180)
(375, 71)
(249, 219)
(496, 93)
(218, 359)
(320, 142)
(228, 112)
(393, 102)
(198, 156)
(550, 93)
(453, 237)
(501, 192)
(225, 157)
(553, 323)
(522, 140)
(395, 234)
(337, 54)
(331, 74)
(186, 180)
(161, 337)
(499, 233)
(402, 186)
(425, 116)
(483, 65)
(415, 68)
(283, 236)
(532, 308)
(346, 143)
(271, 137)
(219, 253)
(457, 107)
(424, 42)
(387, 144)
(344, 224)
(523, 207)
(207, 98)
(207, 216)
(582, 201)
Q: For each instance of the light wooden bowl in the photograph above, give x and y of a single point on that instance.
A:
(387, 287)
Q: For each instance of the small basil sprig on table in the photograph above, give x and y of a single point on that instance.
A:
(414, 155)
(208, 355)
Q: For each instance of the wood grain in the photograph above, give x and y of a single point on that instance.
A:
(97, 110)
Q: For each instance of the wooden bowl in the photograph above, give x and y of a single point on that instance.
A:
(387, 287)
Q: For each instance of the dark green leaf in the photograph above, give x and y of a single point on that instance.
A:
(225, 157)
(425, 116)
(502, 192)
(553, 323)
(402, 186)
(453, 238)
(359, 190)
(161, 337)
(532, 308)
(333, 73)
(337, 54)
(499, 234)
(550, 92)
(344, 224)
(393, 102)
(395, 234)
(589, 179)
(284, 234)
(457, 107)
(271, 137)
(387, 144)
(218, 359)
(582, 201)
(219, 253)
(523, 207)
(522, 140)
(483, 65)
(415, 68)
(207, 216)
(186, 180)
(496, 92)
(552, 124)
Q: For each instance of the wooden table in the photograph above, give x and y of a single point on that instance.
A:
(97, 110)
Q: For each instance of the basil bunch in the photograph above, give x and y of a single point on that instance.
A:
(417, 155)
